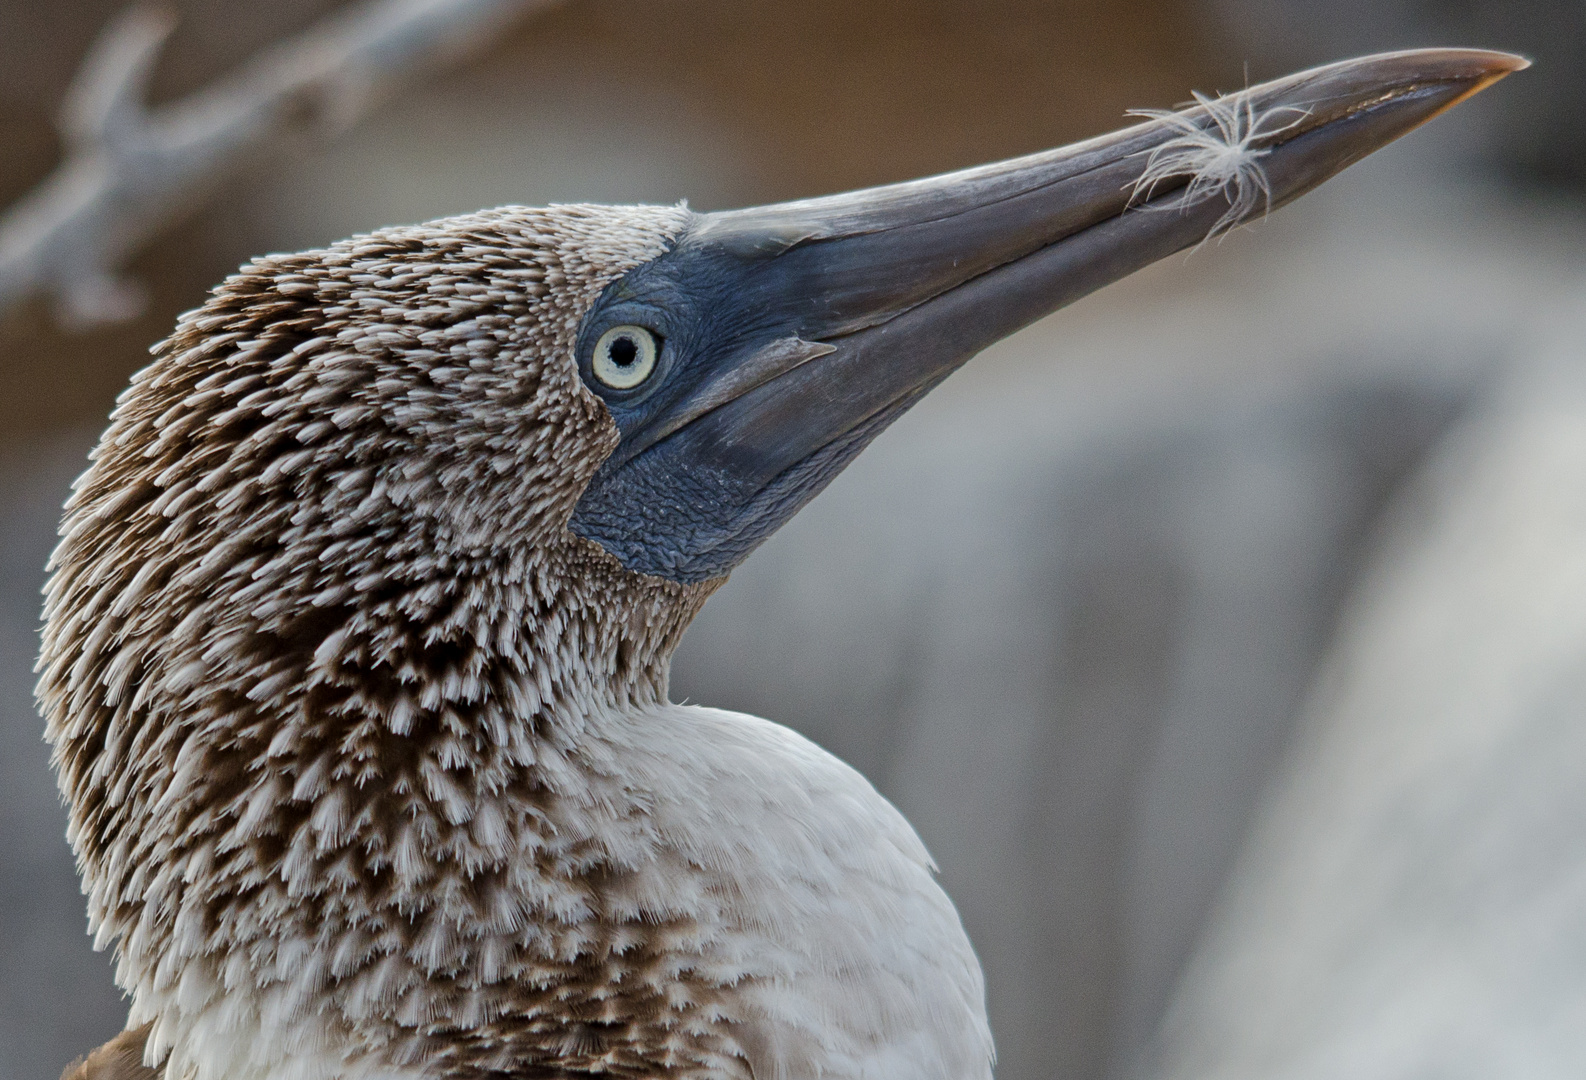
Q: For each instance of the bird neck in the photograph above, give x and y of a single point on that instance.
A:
(521, 646)
(300, 772)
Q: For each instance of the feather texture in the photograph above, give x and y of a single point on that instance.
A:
(1218, 149)
(369, 760)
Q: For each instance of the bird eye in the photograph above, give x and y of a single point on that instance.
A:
(625, 356)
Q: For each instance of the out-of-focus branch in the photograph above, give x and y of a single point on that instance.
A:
(130, 172)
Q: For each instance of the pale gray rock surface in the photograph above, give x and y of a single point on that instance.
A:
(1412, 903)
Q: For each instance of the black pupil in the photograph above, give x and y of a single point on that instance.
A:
(624, 351)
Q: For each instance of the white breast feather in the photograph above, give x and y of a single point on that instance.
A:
(811, 891)
(834, 897)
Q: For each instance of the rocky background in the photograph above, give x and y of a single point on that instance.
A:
(1224, 634)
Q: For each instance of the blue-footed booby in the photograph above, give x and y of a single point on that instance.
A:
(357, 637)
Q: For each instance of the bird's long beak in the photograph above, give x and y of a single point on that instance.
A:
(793, 334)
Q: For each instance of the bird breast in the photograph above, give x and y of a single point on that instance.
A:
(680, 892)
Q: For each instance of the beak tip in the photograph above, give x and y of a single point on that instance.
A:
(1490, 65)
(1480, 66)
(1426, 82)
(1493, 65)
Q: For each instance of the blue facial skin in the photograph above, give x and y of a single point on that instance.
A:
(690, 506)
(690, 503)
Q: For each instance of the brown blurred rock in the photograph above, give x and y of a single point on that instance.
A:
(1411, 902)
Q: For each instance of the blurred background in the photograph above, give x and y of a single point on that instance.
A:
(1224, 635)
